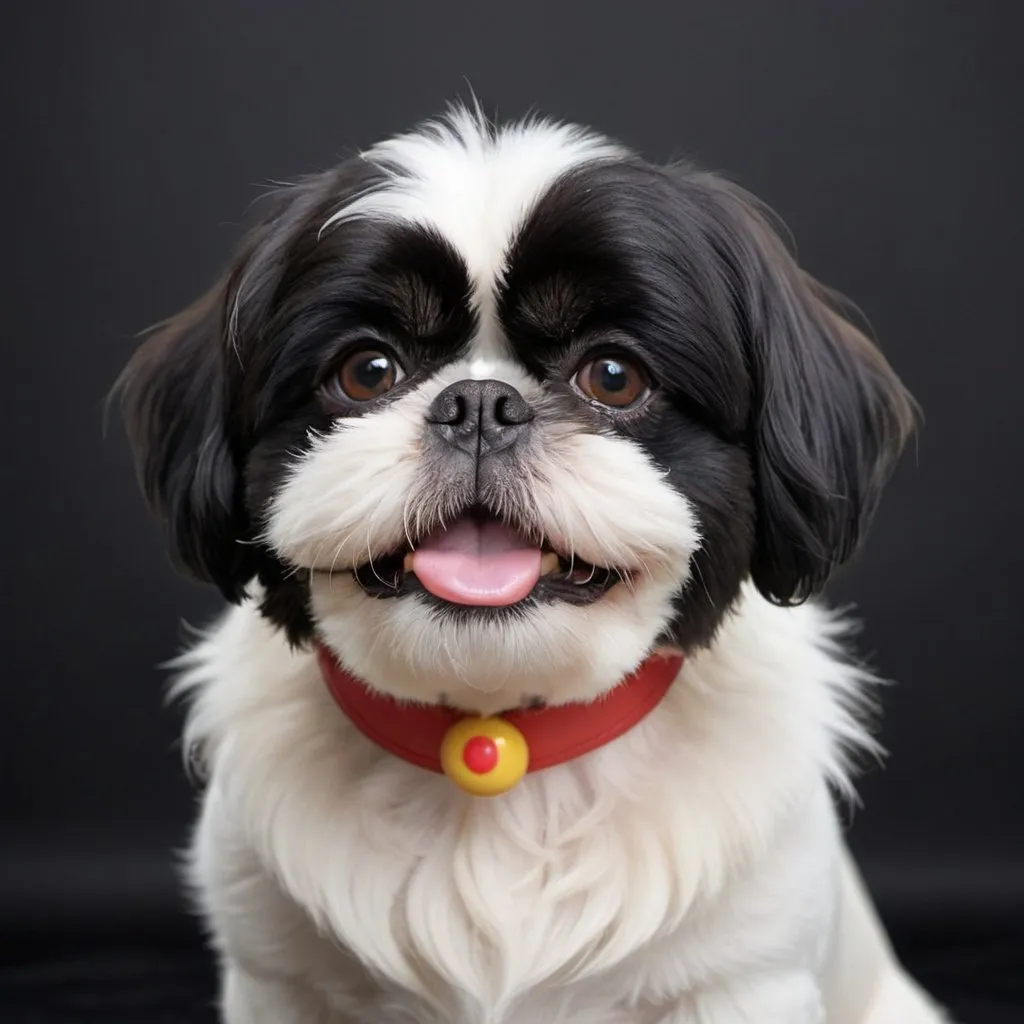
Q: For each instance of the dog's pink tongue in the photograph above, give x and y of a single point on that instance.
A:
(477, 564)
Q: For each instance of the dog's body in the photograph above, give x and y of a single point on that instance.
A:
(692, 871)
(491, 416)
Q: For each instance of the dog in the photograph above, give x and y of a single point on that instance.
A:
(520, 461)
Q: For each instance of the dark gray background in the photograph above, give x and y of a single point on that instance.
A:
(134, 137)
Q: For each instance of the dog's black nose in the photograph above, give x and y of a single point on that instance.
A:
(480, 417)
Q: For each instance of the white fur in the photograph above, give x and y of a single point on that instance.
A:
(899, 1000)
(689, 864)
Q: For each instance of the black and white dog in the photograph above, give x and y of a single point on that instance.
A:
(517, 458)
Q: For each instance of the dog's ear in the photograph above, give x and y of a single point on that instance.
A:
(829, 416)
(176, 399)
(181, 398)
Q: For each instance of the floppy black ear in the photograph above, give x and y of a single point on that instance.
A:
(187, 391)
(829, 416)
(175, 400)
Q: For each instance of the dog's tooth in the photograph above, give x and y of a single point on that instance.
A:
(407, 564)
(549, 564)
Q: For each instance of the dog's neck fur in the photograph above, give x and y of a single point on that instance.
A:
(440, 892)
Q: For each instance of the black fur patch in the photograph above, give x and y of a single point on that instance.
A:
(776, 419)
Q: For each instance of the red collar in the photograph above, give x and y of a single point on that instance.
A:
(487, 756)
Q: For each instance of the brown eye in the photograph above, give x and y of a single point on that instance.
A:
(615, 381)
(368, 374)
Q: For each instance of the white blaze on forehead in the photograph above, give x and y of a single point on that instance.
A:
(504, 369)
(475, 186)
(484, 366)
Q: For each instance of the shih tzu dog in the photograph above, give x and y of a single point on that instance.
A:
(517, 458)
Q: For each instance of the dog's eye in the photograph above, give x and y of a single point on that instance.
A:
(367, 374)
(615, 381)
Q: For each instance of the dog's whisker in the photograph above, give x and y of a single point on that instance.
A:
(334, 563)
(319, 551)
(703, 582)
(405, 522)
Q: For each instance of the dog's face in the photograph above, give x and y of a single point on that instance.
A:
(496, 413)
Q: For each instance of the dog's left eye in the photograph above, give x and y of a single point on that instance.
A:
(367, 374)
(615, 381)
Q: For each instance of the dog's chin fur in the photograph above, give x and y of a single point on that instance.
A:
(690, 872)
(550, 653)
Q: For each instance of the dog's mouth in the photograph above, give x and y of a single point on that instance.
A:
(480, 561)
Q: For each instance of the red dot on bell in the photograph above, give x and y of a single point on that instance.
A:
(480, 755)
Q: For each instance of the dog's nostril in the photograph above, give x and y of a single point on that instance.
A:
(448, 408)
(511, 410)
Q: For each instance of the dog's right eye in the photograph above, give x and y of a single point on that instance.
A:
(366, 375)
(617, 382)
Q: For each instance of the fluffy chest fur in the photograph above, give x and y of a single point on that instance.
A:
(687, 840)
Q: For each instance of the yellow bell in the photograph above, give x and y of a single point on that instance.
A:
(484, 756)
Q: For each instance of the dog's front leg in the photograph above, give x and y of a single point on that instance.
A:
(791, 997)
(249, 999)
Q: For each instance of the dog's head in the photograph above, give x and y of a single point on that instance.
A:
(499, 411)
